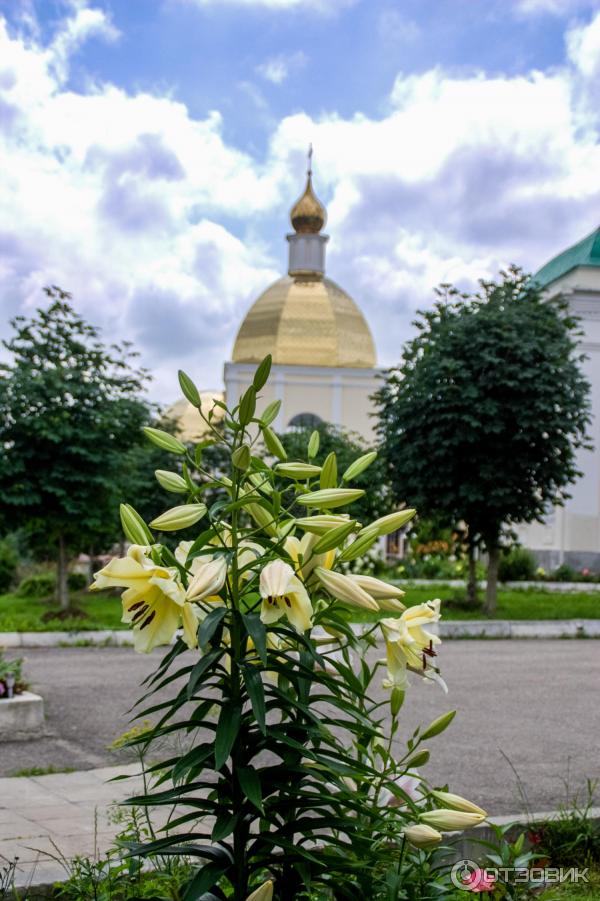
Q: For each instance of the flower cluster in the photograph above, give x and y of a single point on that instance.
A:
(268, 596)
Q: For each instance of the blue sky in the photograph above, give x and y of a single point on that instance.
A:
(151, 150)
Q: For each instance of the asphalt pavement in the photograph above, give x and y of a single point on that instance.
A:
(525, 708)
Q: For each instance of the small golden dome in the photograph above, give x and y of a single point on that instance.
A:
(189, 423)
(308, 214)
(305, 322)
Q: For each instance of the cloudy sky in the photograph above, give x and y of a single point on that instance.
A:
(150, 151)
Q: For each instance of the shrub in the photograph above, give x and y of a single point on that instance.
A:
(517, 565)
(564, 573)
(40, 585)
(77, 581)
(8, 565)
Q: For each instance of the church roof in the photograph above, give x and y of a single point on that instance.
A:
(305, 322)
(585, 253)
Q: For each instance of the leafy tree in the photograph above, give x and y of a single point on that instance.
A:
(482, 419)
(347, 446)
(69, 408)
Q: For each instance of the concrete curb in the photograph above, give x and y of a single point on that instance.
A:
(475, 628)
(558, 587)
(506, 628)
(103, 638)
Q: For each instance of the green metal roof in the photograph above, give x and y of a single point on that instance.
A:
(585, 253)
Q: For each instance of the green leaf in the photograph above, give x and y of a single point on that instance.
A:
(134, 526)
(329, 471)
(258, 633)
(224, 825)
(189, 389)
(256, 693)
(262, 373)
(228, 726)
(203, 666)
(439, 725)
(209, 625)
(247, 406)
(270, 413)
(205, 879)
(334, 538)
(250, 784)
(164, 440)
(359, 547)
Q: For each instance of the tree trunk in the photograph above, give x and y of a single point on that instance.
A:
(91, 565)
(491, 590)
(472, 596)
(62, 575)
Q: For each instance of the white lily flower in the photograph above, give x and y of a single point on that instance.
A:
(284, 594)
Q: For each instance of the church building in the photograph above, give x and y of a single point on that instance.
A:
(324, 361)
(571, 534)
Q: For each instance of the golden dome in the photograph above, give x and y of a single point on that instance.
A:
(305, 322)
(190, 425)
(308, 214)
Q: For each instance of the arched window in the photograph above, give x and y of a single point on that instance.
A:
(304, 421)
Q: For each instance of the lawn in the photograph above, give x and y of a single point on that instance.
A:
(102, 610)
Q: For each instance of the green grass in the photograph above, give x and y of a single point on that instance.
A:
(528, 603)
(103, 609)
(575, 891)
(41, 771)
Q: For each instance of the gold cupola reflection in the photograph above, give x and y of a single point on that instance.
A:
(323, 352)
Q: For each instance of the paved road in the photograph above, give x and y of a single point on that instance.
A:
(534, 701)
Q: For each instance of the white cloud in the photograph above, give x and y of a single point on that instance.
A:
(121, 197)
(325, 7)
(117, 198)
(552, 7)
(278, 68)
(395, 27)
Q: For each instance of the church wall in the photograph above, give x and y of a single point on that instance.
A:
(572, 534)
(336, 395)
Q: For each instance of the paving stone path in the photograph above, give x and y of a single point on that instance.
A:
(533, 703)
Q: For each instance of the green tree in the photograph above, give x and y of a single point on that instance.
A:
(69, 408)
(482, 419)
(347, 446)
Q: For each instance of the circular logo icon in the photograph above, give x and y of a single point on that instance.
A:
(462, 872)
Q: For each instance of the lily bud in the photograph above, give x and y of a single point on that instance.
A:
(452, 820)
(321, 524)
(392, 522)
(209, 580)
(264, 893)
(344, 589)
(377, 588)
(179, 517)
(134, 526)
(328, 498)
(457, 803)
(171, 481)
(297, 470)
(421, 836)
